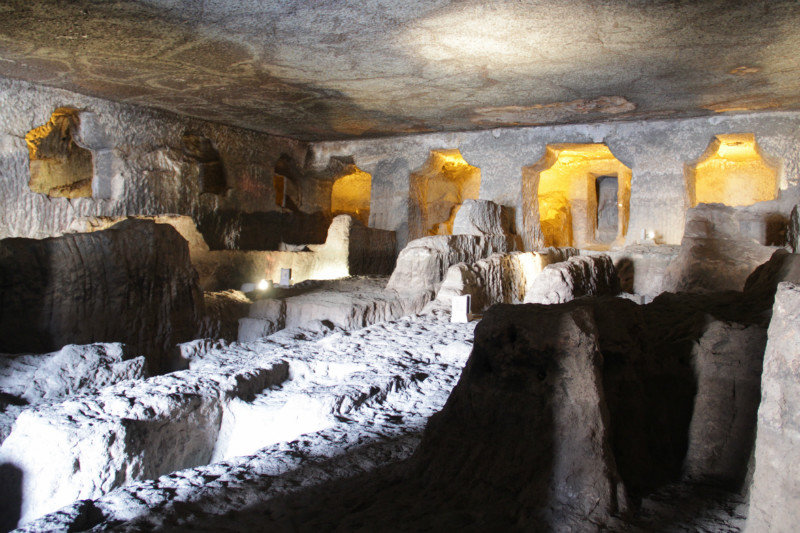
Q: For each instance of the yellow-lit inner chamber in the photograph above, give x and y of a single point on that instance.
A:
(59, 167)
(351, 194)
(732, 171)
(439, 189)
(567, 193)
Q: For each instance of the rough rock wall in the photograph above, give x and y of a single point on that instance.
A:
(602, 392)
(500, 278)
(132, 283)
(483, 217)
(576, 277)
(548, 460)
(146, 163)
(727, 361)
(350, 249)
(606, 408)
(717, 251)
(423, 263)
(775, 492)
(655, 150)
(641, 268)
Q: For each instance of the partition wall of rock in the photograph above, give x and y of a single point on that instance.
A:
(423, 263)
(721, 246)
(499, 278)
(133, 283)
(612, 401)
(548, 460)
(576, 277)
(350, 249)
(727, 361)
(775, 492)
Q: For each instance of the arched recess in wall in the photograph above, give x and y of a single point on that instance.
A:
(351, 194)
(732, 171)
(437, 190)
(284, 182)
(576, 195)
(210, 170)
(59, 166)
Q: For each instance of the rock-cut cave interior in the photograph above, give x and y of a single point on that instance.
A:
(422, 265)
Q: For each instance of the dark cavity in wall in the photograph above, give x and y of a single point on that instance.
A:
(211, 171)
(59, 167)
(285, 181)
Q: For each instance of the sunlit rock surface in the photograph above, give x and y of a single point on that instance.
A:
(362, 399)
(86, 446)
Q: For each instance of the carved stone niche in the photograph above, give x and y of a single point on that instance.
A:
(59, 166)
(211, 171)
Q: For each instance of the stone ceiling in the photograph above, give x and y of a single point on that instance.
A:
(319, 70)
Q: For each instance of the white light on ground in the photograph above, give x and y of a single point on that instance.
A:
(264, 285)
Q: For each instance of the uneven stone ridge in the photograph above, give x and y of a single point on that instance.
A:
(775, 490)
(348, 304)
(31, 379)
(727, 362)
(718, 251)
(89, 445)
(132, 283)
(500, 278)
(360, 400)
(576, 277)
(483, 217)
(423, 263)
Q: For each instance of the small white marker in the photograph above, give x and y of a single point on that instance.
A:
(286, 277)
(461, 309)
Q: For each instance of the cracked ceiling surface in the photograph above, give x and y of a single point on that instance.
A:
(319, 70)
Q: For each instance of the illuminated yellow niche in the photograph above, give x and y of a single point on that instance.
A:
(732, 171)
(59, 167)
(566, 183)
(438, 190)
(351, 194)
